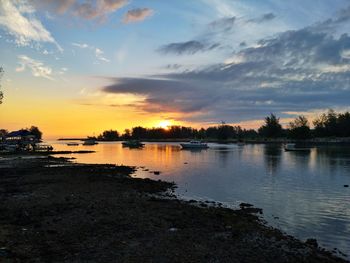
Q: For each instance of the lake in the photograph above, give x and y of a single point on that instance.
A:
(301, 193)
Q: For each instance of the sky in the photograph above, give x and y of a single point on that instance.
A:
(78, 67)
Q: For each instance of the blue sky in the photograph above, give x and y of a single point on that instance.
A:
(192, 61)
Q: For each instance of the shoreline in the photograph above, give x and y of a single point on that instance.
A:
(314, 141)
(55, 210)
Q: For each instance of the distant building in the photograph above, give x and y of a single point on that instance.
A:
(21, 140)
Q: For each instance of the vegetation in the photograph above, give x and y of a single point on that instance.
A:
(35, 132)
(111, 135)
(327, 125)
(299, 129)
(272, 128)
(332, 124)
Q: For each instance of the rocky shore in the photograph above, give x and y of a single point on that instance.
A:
(52, 210)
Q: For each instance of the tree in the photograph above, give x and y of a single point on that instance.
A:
(299, 128)
(139, 133)
(272, 127)
(1, 94)
(36, 132)
(327, 124)
(225, 131)
(3, 134)
(110, 135)
(127, 134)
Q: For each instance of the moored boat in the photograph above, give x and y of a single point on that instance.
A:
(90, 142)
(292, 147)
(194, 144)
(133, 144)
(72, 144)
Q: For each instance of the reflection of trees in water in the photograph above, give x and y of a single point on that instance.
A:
(166, 148)
(333, 158)
(223, 155)
(272, 157)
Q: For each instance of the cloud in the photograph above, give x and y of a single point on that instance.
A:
(99, 54)
(137, 15)
(189, 47)
(87, 9)
(37, 68)
(264, 18)
(296, 70)
(18, 19)
(224, 24)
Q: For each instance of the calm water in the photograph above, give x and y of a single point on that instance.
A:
(301, 193)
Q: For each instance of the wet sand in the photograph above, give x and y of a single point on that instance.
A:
(55, 211)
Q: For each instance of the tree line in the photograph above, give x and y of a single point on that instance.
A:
(330, 124)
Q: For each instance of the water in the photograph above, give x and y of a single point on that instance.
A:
(301, 193)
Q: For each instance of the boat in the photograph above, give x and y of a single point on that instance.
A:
(194, 144)
(133, 144)
(291, 147)
(90, 142)
(72, 144)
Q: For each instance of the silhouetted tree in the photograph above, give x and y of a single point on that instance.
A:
(225, 131)
(299, 128)
(272, 127)
(326, 124)
(3, 134)
(127, 134)
(36, 132)
(111, 135)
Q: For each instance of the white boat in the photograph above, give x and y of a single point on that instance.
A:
(291, 147)
(194, 145)
(90, 142)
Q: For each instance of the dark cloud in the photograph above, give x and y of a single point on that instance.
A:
(264, 18)
(189, 47)
(297, 70)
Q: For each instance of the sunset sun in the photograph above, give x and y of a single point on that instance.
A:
(164, 124)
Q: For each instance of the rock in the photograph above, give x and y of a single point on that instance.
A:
(311, 242)
(245, 205)
(5, 253)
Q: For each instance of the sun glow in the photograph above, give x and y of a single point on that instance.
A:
(164, 124)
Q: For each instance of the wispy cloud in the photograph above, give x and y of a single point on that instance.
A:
(87, 9)
(137, 15)
(18, 19)
(99, 54)
(189, 47)
(37, 67)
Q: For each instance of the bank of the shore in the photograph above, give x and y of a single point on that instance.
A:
(313, 141)
(54, 211)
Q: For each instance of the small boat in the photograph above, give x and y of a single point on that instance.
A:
(291, 147)
(194, 144)
(90, 142)
(133, 144)
(72, 144)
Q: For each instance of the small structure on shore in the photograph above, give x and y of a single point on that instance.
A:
(22, 141)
